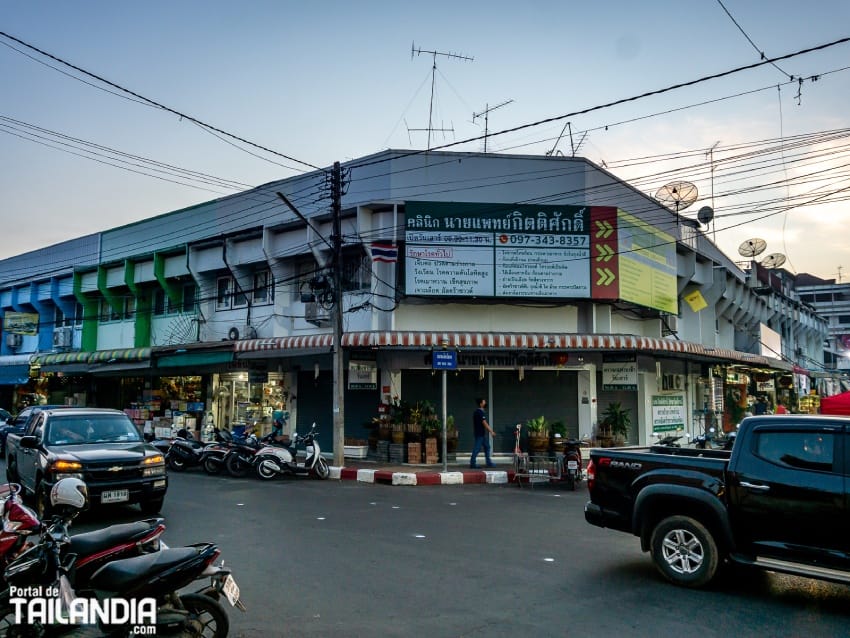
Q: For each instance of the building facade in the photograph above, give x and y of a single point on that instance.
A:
(558, 288)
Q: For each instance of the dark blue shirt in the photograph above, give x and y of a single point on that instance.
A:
(478, 418)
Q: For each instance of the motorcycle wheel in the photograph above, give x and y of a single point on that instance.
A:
(571, 482)
(207, 618)
(263, 472)
(321, 469)
(178, 465)
(212, 467)
(236, 467)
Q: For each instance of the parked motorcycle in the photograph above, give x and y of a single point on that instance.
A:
(271, 461)
(667, 440)
(186, 452)
(240, 454)
(92, 549)
(572, 462)
(156, 577)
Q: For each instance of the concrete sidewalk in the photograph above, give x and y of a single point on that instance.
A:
(458, 473)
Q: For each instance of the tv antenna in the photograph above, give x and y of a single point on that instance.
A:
(486, 114)
(677, 195)
(752, 247)
(435, 53)
(573, 147)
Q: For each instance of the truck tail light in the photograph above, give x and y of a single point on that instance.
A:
(591, 475)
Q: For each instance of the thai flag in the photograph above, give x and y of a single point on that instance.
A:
(384, 252)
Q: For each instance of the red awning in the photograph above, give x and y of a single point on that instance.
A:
(837, 404)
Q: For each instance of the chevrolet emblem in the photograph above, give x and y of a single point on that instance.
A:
(115, 468)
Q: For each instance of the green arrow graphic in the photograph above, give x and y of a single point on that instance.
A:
(605, 229)
(605, 252)
(605, 276)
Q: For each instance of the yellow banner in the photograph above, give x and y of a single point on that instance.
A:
(696, 301)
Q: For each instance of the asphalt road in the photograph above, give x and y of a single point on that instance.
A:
(342, 558)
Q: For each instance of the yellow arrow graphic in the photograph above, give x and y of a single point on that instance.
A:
(605, 252)
(605, 229)
(605, 276)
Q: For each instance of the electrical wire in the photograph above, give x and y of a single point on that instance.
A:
(154, 103)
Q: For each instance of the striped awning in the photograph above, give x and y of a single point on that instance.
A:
(504, 341)
(122, 354)
(61, 358)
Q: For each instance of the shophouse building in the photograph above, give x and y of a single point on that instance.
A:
(559, 288)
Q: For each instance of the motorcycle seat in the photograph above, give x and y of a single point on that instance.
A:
(122, 575)
(89, 543)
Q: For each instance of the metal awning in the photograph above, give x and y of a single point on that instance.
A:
(121, 354)
(194, 359)
(252, 348)
(15, 369)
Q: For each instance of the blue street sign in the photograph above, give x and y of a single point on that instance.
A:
(444, 360)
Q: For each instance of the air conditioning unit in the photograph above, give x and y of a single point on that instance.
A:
(63, 337)
(315, 314)
(14, 340)
(669, 324)
(242, 332)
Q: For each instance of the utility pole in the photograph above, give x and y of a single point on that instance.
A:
(338, 371)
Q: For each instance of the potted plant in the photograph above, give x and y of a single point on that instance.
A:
(559, 435)
(616, 421)
(538, 435)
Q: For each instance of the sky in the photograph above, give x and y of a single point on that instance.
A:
(321, 82)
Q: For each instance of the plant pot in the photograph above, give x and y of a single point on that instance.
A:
(398, 437)
(538, 443)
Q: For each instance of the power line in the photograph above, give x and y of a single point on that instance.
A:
(154, 102)
(750, 40)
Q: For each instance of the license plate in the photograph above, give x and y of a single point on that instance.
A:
(572, 465)
(231, 590)
(115, 496)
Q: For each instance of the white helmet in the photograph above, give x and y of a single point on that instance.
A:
(69, 493)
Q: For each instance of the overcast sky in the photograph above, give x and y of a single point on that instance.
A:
(326, 81)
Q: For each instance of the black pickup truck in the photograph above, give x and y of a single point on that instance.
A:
(778, 500)
(99, 446)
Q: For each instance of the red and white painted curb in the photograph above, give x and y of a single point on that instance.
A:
(389, 477)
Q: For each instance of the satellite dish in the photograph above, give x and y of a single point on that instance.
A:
(677, 195)
(752, 247)
(773, 260)
(705, 215)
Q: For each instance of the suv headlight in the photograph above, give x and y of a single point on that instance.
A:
(153, 466)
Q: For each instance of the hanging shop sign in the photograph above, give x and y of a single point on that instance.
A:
(619, 374)
(21, 323)
(668, 413)
(766, 386)
(362, 375)
(509, 250)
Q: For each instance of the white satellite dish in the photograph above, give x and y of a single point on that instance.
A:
(752, 247)
(677, 195)
(773, 260)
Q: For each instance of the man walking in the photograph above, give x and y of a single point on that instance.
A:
(482, 431)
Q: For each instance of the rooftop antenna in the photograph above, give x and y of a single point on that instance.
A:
(486, 114)
(435, 53)
(573, 147)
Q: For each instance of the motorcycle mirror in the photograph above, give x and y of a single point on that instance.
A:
(712, 430)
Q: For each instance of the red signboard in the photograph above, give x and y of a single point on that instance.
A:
(604, 260)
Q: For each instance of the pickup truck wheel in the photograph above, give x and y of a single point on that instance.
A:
(12, 472)
(684, 551)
